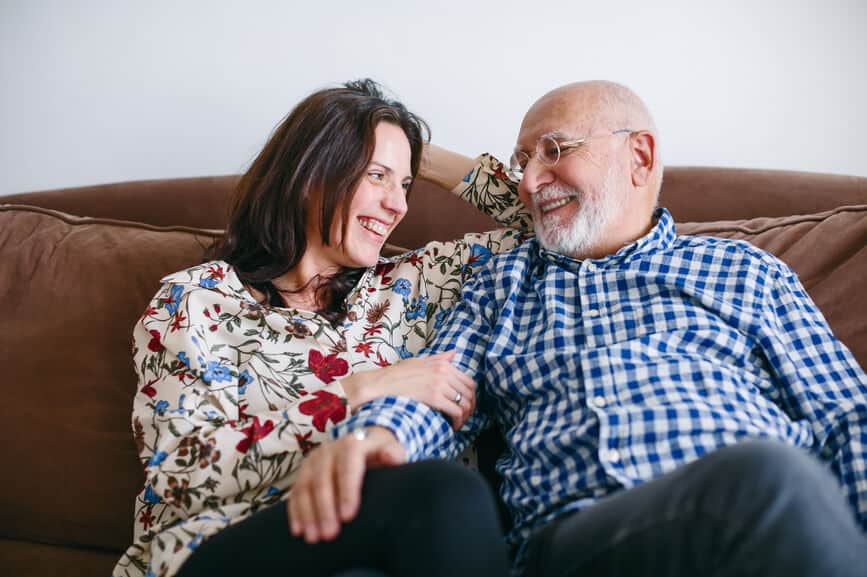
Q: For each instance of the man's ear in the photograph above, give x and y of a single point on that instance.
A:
(642, 151)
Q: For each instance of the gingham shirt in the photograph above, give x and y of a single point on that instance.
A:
(604, 374)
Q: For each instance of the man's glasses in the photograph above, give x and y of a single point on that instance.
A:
(549, 150)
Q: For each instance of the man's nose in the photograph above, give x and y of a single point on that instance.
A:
(535, 176)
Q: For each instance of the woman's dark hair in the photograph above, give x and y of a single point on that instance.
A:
(322, 148)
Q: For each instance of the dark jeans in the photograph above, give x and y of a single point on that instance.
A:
(425, 519)
(757, 508)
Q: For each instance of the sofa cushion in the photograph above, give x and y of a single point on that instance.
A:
(72, 289)
(828, 250)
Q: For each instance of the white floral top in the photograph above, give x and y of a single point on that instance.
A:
(233, 393)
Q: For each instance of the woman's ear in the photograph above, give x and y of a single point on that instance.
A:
(642, 150)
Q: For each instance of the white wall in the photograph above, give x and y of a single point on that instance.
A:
(98, 91)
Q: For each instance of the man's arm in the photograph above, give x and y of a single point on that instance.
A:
(820, 381)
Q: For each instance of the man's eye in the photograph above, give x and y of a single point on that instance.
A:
(550, 150)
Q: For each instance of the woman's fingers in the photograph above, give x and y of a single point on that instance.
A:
(350, 469)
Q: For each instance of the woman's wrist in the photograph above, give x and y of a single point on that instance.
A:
(359, 388)
(444, 167)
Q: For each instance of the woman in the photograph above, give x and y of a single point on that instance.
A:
(245, 363)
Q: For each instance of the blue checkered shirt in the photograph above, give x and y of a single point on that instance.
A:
(603, 374)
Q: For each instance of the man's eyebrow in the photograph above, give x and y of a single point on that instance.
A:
(555, 134)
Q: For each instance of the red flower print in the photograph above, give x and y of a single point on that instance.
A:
(147, 519)
(381, 361)
(326, 406)
(253, 433)
(304, 442)
(326, 368)
(414, 259)
(499, 172)
(382, 269)
(155, 344)
(372, 330)
(242, 410)
(149, 389)
(178, 319)
(365, 348)
(217, 273)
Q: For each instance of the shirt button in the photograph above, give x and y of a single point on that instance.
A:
(593, 312)
(613, 455)
(599, 401)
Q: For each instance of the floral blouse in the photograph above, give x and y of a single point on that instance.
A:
(233, 393)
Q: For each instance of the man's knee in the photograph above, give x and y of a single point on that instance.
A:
(768, 478)
(770, 465)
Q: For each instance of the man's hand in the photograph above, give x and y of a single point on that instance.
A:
(327, 491)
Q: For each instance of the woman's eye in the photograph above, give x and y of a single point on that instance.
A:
(377, 176)
(406, 186)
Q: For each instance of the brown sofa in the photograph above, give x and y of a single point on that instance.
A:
(72, 287)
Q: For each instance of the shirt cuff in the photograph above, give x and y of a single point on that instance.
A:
(418, 428)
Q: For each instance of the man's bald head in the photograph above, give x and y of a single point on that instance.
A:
(599, 193)
(593, 106)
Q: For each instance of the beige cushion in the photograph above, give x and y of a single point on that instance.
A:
(828, 250)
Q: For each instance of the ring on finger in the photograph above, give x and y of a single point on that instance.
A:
(458, 397)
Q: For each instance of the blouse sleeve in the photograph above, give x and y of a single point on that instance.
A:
(487, 187)
(199, 441)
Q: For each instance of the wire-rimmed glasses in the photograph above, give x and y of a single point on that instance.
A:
(549, 150)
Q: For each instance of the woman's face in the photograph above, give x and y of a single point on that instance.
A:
(376, 209)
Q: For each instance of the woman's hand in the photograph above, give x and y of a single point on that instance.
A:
(432, 380)
(327, 491)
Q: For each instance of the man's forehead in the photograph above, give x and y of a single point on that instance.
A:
(554, 116)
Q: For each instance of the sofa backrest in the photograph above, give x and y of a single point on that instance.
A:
(700, 194)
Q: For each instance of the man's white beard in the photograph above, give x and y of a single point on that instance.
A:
(588, 225)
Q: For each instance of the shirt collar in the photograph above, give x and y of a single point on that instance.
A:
(659, 237)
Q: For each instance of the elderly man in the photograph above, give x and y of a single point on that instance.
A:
(671, 405)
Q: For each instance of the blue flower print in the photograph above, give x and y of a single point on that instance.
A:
(158, 458)
(174, 299)
(197, 540)
(244, 379)
(180, 409)
(469, 175)
(404, 354)
(208, 283)
(216, 372)
(150, 495)
(272, 490)
(440, 318)
(160, 408)
(479, 255)
(402, 287)
(182, 356)
(416, 309)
